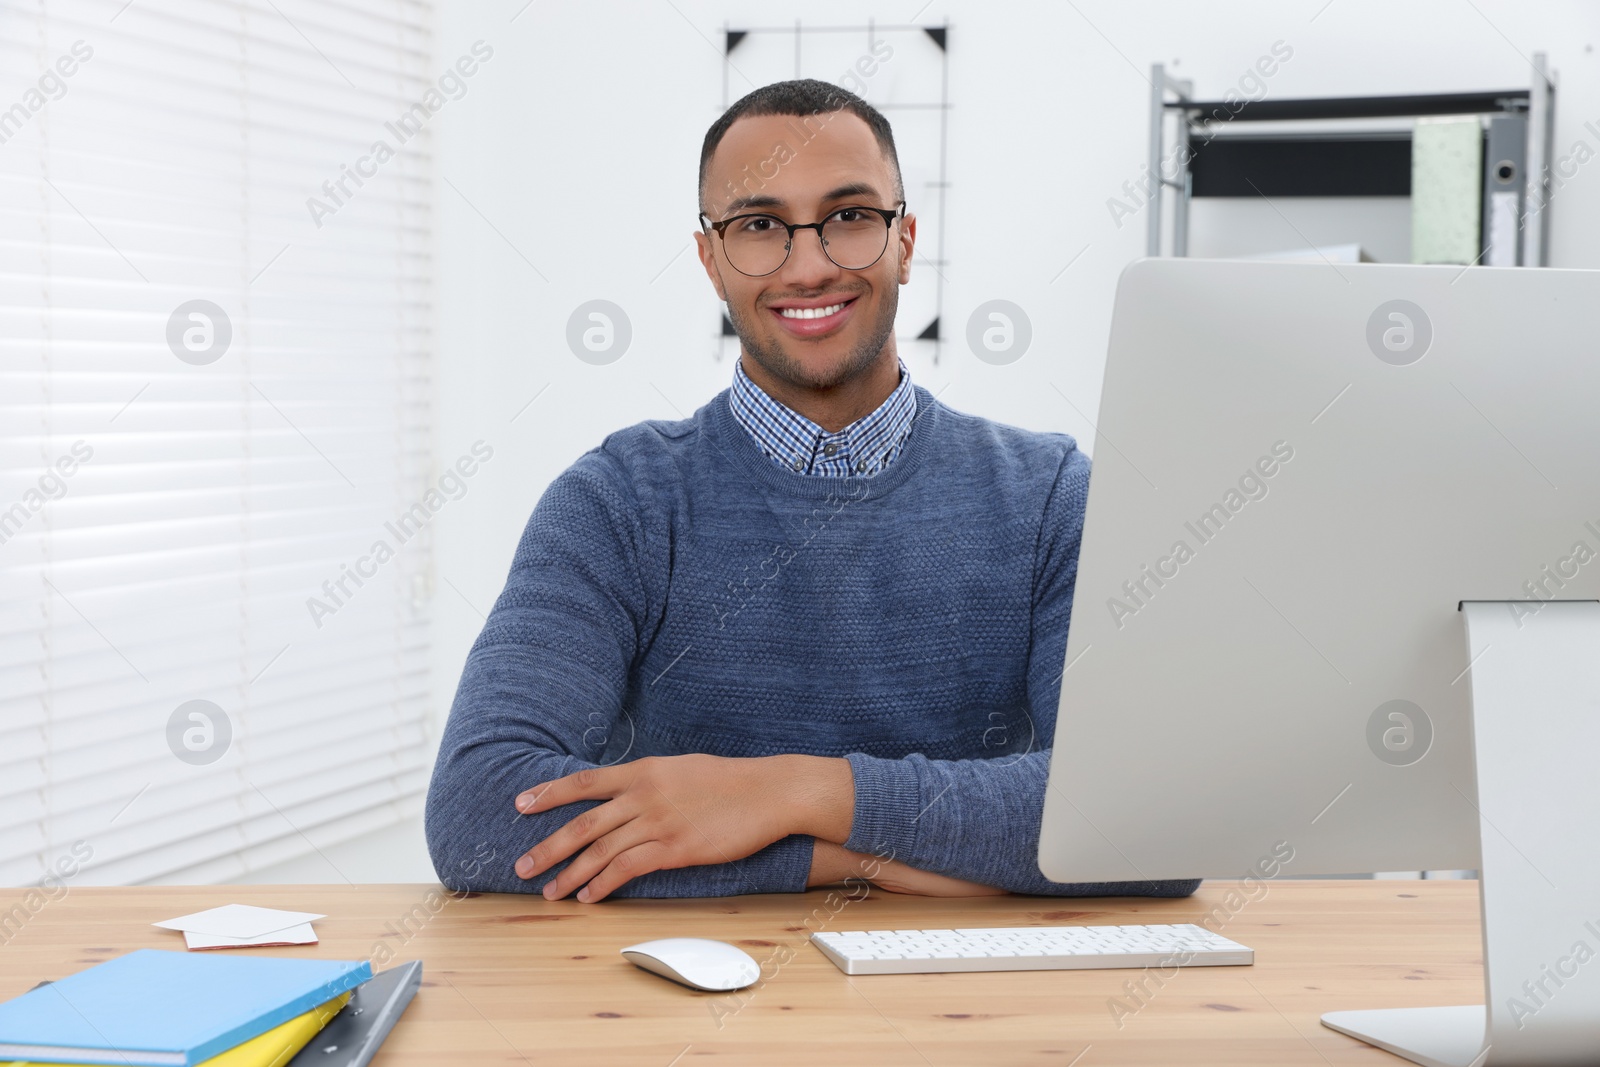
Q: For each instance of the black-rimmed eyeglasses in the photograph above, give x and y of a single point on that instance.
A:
(854, 238)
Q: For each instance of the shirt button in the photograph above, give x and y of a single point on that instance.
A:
(861, 468)
(829, 449)
(799, 464)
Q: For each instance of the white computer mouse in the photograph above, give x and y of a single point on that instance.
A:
(698, 962)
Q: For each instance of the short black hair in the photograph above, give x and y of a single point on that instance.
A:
(803, 97)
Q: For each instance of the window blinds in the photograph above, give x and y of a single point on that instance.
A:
(214, 404)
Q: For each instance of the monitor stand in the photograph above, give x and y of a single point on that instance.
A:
(1535, 677)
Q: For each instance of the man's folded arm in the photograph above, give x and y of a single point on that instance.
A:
(978, 819)
(541, 697)
(974, 819)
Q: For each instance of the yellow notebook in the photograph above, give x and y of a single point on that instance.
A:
(274, 1048)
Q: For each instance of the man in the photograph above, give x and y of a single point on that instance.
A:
(815, 630)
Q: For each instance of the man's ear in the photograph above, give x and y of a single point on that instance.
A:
(709, 262)
(906, 245)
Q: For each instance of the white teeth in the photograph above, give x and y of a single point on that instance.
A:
(809, 313)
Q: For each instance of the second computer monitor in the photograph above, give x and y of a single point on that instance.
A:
(1300, 471)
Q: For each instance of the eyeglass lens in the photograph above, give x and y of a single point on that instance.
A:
(852, 238)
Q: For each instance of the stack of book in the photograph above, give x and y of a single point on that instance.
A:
(152, 1008)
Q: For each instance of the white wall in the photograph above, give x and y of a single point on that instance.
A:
(397, 853)
(577, 146)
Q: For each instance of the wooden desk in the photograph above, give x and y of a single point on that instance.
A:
(518, 980)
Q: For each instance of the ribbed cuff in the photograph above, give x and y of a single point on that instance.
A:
(888, 801)
(781, 867)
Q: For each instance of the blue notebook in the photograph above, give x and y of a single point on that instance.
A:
(154, 1009)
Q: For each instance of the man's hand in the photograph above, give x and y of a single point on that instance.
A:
(831, 863)
(682, 811)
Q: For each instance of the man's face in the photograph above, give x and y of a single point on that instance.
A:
(796, 180)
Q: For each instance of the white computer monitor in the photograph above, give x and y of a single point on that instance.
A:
(1344, 519)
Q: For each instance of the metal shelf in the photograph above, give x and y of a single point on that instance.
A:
(1363, 107)
(1340, 162)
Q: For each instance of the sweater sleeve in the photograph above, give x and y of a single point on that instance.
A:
(544, 685)
(978, 819)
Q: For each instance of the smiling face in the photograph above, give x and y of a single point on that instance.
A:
(840, 323)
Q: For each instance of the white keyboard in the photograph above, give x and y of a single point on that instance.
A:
(1029, 948)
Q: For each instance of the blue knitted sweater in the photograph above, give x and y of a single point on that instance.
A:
(676, 591)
